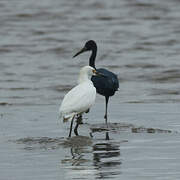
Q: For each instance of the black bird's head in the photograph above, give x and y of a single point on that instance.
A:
(89, 46)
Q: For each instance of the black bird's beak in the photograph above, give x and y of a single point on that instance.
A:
(81, 51)
(96, 73)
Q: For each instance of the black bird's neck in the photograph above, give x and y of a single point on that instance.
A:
(93, 57)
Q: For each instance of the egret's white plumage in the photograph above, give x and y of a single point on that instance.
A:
(79, 99)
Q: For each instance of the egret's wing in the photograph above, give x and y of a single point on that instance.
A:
(78, 99)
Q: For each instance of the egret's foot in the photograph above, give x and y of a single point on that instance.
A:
(87, 111)
(79, 119)
(91, 134)
(76, 132)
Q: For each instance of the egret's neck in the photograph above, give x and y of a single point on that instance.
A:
(83, 77)
(93, 57)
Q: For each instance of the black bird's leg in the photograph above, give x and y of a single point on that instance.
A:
(71, 126)
(107, 135)
(105, 116)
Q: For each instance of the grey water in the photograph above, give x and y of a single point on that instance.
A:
(139, 40)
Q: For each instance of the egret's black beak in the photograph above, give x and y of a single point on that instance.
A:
(81, 51)
(96, 73)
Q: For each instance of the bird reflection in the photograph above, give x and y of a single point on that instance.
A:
(77, 157)
(106, 159)
(101, 159)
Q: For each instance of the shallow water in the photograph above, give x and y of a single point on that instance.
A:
(144, 143)
(139, 40)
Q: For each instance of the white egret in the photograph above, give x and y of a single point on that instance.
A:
(79, 99)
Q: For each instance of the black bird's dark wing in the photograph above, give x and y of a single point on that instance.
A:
(107, 85)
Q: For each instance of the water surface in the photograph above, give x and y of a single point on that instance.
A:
(138, 40)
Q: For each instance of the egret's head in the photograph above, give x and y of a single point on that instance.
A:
(90, 71)
(86, 72)
(90, 45)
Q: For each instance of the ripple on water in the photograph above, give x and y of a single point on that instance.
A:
(142, 65)
(159, 91)
(47, 143)
(4, 50)
(5, 104)
(80, 141)
(61, 88)
(119, 127)
(167, 76)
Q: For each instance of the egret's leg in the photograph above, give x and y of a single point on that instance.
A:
(105, 116)
(71, 126)
(79, 121)
(75, 129)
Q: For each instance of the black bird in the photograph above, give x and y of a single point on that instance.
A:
(105, 85)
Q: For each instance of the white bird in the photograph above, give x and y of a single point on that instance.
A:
(79, 99)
